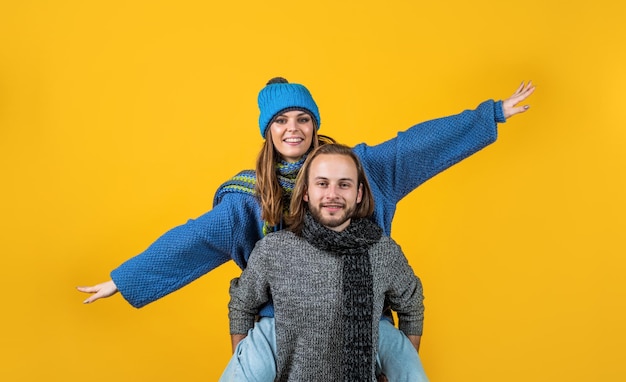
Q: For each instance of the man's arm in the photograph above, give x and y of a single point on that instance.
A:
(235, 339)
(250, 291)
(415, 340)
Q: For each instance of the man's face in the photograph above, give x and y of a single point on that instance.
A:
(333, 190)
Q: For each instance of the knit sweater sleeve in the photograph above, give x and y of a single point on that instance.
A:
(405, 292)
(401, 164)
(184, 253)
(251, 290)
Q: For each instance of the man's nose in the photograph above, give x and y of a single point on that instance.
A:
(331, 191)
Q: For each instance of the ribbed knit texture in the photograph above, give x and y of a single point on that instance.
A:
(352, 244)
(308, 288)
(281, 97)
(230, 230)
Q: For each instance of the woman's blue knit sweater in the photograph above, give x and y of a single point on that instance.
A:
(231, 229)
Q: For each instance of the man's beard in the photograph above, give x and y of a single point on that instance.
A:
(332, 221)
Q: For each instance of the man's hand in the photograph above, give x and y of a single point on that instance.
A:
(415, 341)
(235, 339)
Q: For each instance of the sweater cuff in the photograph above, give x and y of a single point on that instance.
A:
(411, 328)
(241, 325)
(129, 293)
(499, 112)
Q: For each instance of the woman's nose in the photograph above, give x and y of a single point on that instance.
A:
(291, 124)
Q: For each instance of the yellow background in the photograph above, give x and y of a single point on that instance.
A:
(119, 119)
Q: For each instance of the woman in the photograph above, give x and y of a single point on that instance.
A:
(252, 203)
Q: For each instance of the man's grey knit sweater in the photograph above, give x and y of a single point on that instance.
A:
(305, 285)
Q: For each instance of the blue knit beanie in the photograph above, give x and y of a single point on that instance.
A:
(279, 96)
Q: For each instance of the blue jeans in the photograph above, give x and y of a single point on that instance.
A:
(254, 358)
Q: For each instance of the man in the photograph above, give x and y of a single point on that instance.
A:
(328, 276)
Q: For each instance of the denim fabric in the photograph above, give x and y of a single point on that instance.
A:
(397, 356)
(254, 356)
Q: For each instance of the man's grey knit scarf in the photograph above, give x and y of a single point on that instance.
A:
(352, 244)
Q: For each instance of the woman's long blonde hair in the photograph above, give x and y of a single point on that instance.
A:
(267, 188)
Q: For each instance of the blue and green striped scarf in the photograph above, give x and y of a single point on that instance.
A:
(245, 181)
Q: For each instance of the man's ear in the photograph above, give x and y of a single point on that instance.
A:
(359, 194)
(305, 197)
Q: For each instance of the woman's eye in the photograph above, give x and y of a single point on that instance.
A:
(304, 120)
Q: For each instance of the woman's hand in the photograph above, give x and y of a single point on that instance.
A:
(509, 107)
(105, 289)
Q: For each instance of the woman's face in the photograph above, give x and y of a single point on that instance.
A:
(292, 134)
